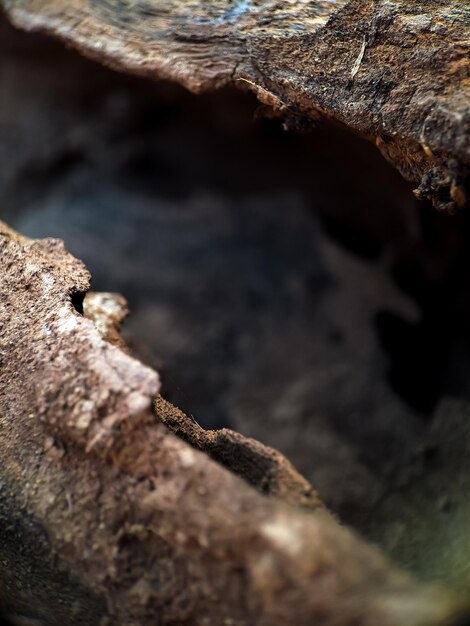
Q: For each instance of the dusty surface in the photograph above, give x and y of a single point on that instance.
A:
(341, 328)
(395, 71)
(157, 532)
(132, 177)
(278, 301)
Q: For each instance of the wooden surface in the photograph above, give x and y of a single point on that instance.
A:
(395, 71)
(106, 515)
(108, 518)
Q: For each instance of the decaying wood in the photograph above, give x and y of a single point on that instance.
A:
(395, 71)
(108, 518)
(263, 467)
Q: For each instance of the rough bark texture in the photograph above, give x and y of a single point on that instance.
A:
(110, 519)
(397, 72)
(105, 516)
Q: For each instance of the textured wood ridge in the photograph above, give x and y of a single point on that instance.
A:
(108, 518)
(396, 71)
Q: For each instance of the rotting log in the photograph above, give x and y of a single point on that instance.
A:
(108, 518)
(396, 71)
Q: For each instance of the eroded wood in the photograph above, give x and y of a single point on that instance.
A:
(142, 528)
(395, 71)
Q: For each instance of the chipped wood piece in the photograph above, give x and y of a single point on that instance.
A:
(261, 466)
(108, 518)
(395, 71)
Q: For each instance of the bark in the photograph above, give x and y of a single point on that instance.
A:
(108, 518)
(397, 72)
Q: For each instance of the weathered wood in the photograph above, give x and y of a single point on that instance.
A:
(263, 467)
(396, 71)
(108, 518)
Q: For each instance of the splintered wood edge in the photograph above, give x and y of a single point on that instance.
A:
(395, 71)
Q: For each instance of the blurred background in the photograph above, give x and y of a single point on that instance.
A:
(284, 284)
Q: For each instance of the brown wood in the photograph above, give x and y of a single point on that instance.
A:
(396, 71)
(108, 518)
